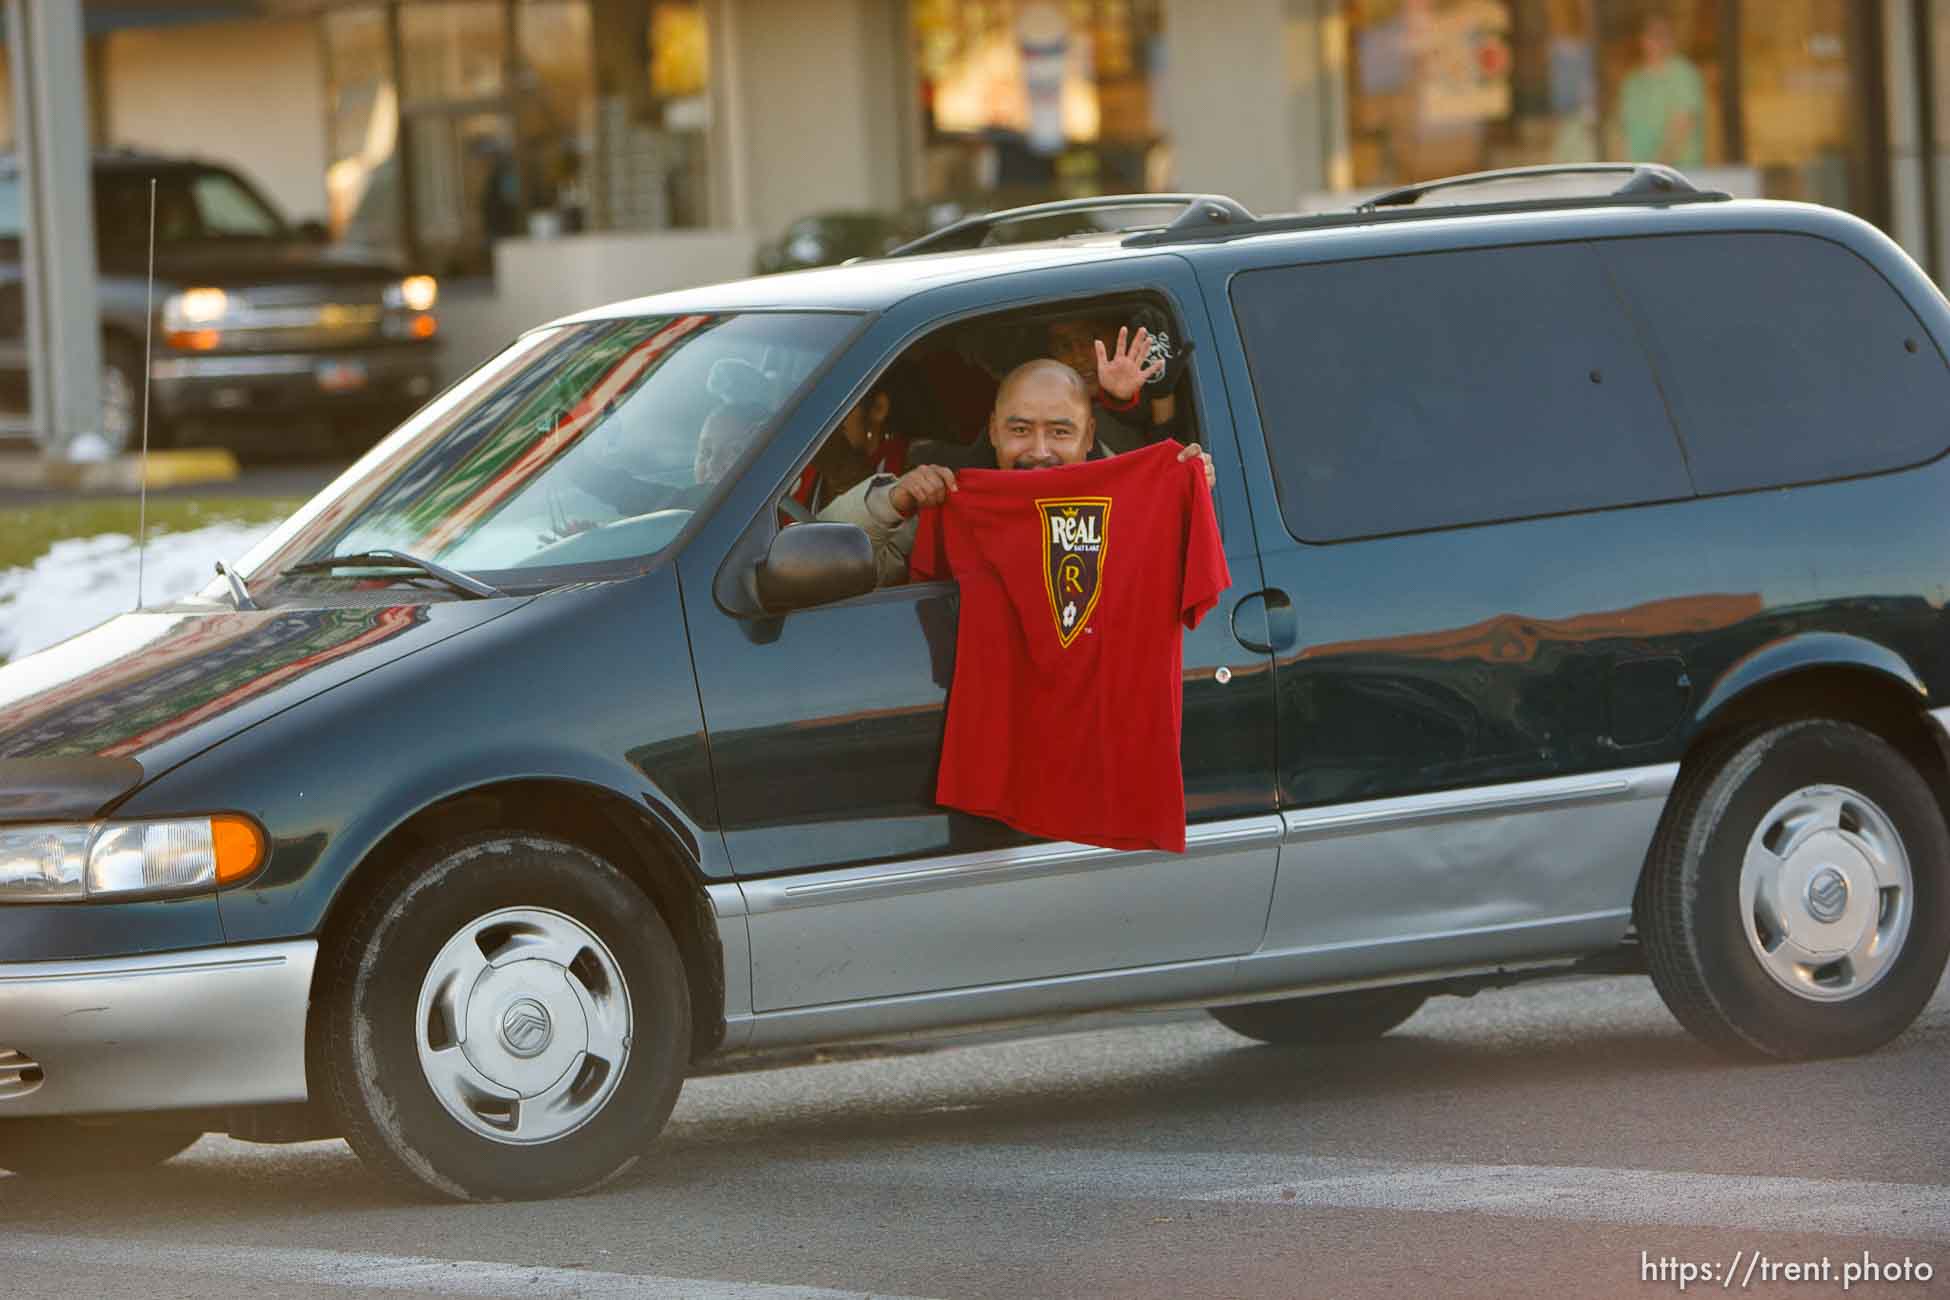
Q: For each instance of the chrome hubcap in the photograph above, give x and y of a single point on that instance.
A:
(524, 1025)
(1826, 893)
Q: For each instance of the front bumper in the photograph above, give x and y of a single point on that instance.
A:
(168, 1031)
(399, 377)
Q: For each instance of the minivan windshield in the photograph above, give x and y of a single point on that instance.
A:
(582, 444)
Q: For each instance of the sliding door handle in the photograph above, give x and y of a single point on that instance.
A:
(1266, 622)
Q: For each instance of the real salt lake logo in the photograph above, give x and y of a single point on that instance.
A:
(1075, 532)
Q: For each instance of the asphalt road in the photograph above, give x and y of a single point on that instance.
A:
(1564, 1140)
(1559, 1140)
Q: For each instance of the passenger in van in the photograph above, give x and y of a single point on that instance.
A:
(1131, 375)
(1043, 417)
(865, 443)
(727, 432)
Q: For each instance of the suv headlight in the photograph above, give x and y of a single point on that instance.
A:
(196, 306)
(72, 862)
(414, 293)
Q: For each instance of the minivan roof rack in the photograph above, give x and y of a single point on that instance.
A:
(1647, 184)
(1202, 212)
(1645, 178)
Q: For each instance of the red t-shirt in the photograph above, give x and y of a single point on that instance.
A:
(1068, 698)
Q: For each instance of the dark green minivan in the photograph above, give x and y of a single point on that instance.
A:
(1590, 562)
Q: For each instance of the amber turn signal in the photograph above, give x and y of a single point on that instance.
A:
(239, 845)
(423, 327)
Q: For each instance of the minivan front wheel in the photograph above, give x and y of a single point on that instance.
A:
(506, 1019)
(1795, 903)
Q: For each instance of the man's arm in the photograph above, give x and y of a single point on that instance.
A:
(867, 505)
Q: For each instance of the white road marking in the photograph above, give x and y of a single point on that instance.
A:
(453, 1277)
(1916, 1211)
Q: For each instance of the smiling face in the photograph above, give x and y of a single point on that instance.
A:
(1042, 418)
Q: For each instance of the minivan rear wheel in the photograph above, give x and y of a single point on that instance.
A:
(1329, 1018)
(506, 1019)
(1795, 903)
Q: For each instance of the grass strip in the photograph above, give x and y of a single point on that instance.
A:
(27, 532)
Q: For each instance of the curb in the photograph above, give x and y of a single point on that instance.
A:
(163, 469)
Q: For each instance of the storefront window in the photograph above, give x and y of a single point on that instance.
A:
(362, 130)
(1029, 99)
(555, 99)
(1801, 100)
(455, 50)
(1771, 89)
(1446, 86)
(653, 81)
(533, 118)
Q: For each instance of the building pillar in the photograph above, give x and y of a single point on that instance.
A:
(63, 324)
(1249, 100)
(816, 91)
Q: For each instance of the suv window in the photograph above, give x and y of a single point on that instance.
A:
(193, 205)
(1788, 358)
(1446, 389)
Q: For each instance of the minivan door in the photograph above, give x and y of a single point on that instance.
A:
(826, 724)
(1484, 648)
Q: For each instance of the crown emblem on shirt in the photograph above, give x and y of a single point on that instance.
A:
(1076, 534)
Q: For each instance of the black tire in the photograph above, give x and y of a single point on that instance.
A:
(367, 1041)
(1353, 1017)
(67, 1148)
(1690, 913)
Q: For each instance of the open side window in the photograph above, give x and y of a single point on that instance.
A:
(932, 405)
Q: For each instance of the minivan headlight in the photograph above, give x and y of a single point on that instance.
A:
(415, 293)
(73, 862)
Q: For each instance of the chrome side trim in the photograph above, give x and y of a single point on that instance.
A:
(1216, 982)
(888, 879)
(170, 1031)
(1497, 800)
(735, 940)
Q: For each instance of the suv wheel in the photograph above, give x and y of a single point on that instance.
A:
(1795, 901)
(507, 1019)
(121, 417)
(67, 1148)
(1329, 1018)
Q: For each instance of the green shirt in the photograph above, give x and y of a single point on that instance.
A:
(1651, 98)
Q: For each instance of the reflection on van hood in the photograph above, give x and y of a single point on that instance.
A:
(160, 686)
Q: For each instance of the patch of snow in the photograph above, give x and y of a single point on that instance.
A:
(83, 581)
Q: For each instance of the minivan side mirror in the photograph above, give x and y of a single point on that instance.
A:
(811, 564)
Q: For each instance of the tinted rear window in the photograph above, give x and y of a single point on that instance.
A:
(1788, 359)
(1452, 388)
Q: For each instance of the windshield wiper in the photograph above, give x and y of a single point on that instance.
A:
(239, 593)
(390, 559)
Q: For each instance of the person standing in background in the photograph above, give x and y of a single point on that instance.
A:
(1662, 105)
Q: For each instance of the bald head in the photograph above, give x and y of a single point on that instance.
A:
(1042, 417)
(1045, 370)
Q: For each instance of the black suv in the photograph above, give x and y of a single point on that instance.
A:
(1590, 568)
(262, 330)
